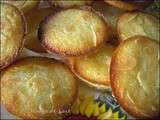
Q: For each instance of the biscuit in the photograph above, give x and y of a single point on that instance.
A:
(138, 23)
(38, 88)
(129, 5)
(94, 68)
(70, 3)
(24, 5)
(73, 32)
(134, 76)
(13, 29)
(33, 19)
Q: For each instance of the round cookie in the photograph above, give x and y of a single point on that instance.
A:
(24, 5)
(38, 88)
(138, 23)
(94, 68)
(134, 76)
(130, 5)
(70, 3)
(73, 32)
(13, 29)
(33, 19)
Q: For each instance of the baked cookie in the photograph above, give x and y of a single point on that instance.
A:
(24, 5)
(94, 68)
(73, 32)
(33, 19)
(13, 29)
(70, 3)
(134, 76)
(38, 88)
(129, 5)
(138, 23)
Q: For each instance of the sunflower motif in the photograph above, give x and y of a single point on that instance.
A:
(90, 109)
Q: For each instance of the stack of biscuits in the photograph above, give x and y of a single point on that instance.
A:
(107, 44)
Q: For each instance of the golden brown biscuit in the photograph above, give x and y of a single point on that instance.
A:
(73, 32)
(33, 20)
(13, 30)
(138, 23)
(38, 88)
(129, 5)
(70, 3)
(135, 76)
(24, 5)
(94, 68)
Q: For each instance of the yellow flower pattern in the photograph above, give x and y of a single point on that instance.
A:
(90, 108)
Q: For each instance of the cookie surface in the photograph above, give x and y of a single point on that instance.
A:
(38, 88)
(24, 5)
(70, 3)
(138, 23)
(135, 76)
(33, 19)
(13, 30)
(72, 32)
(94, 68)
